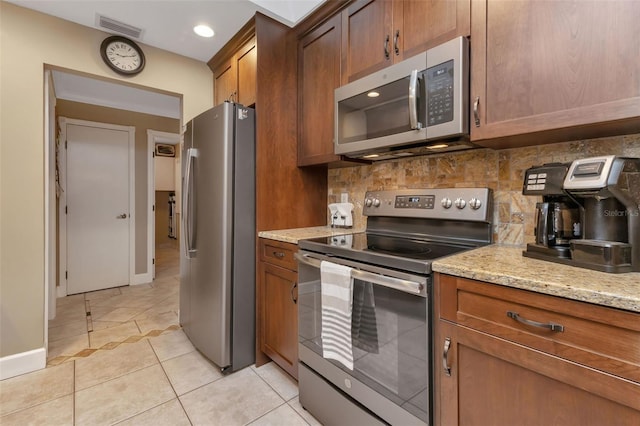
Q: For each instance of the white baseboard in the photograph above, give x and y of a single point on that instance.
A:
(141, 279)
(22, 363)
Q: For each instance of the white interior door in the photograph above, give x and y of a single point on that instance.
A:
(98, 208)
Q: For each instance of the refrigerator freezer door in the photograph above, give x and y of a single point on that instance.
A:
(185, 265)
(212, 191)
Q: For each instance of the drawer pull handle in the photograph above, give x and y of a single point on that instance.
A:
(550, 325)
(278, 254)
(445, 356)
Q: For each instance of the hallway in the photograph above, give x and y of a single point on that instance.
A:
(118, 356)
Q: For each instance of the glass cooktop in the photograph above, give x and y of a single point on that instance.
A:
(401, 253)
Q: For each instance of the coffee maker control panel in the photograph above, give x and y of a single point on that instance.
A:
(545, 180)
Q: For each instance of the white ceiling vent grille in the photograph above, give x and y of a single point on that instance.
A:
(119, 27)
(164, 150)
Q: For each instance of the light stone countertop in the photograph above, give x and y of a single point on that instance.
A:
(506, 266)
(296, 234)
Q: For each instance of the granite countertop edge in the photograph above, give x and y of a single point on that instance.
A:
(296, 234)
(505, 265)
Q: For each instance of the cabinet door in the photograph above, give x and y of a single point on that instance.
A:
(278, 325)
(493, 381)
(319, 75)
(246, 64)
(421, 24)
(540, 66)
(367, 39)
(224, 82)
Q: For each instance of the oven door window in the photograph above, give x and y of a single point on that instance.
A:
(389, 335)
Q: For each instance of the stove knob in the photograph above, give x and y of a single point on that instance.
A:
(376, 202)
(368, 202)
(475, 203)
(446, 202)
(460, 203)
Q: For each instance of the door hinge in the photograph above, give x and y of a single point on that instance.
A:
(66, 275)
(153, 208)
(153, 261)
(66, 209)
(153, 154)
(65, 144)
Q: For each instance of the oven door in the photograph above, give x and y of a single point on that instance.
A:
(390, 339)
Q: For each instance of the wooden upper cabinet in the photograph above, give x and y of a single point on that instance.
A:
(554, 67)
(224, 82)
(235, 78)
(318, 77)
(421, 24)
(247, 62)
(378, 33)
(367, 39)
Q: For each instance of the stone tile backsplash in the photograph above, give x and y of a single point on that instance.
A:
(500, 170)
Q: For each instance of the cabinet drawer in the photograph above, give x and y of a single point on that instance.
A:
(278, 253)
(604, 338)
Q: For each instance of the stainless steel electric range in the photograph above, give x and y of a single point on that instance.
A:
(364, 305)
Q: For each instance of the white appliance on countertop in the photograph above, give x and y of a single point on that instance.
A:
(341, 215)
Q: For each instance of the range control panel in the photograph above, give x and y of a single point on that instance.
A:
(472, 204)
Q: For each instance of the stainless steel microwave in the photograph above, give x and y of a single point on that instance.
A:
(415, 107)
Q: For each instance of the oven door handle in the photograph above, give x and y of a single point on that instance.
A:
(383, 280)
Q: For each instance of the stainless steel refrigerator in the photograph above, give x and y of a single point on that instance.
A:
(217, 265)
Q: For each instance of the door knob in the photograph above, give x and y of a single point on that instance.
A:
(121, 216)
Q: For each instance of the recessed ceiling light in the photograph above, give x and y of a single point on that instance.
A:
(203, 30)
(373, 94)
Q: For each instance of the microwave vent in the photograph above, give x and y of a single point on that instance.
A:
(164, 150)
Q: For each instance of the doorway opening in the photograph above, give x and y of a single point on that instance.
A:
(165, 196)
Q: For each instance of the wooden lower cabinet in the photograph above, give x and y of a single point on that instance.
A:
(483, 379)
(277, 328)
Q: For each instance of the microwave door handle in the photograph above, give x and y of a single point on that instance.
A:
(413, 101)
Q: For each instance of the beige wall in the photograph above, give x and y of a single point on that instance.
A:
(141, 122)
(29, 41)
(501, 170)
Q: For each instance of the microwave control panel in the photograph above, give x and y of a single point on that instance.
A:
(440, 93)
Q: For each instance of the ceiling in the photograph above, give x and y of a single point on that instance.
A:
(165, 24)
(168, 24)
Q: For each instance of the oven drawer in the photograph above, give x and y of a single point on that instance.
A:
(604, 338)
(278, 253)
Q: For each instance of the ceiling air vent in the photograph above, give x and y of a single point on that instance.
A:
(163, 150)
(119, 27)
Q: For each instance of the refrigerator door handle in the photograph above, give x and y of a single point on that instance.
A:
(190, 251)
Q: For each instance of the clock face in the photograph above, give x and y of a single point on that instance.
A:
(122, 55)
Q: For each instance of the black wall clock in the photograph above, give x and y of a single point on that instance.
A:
(122, 55)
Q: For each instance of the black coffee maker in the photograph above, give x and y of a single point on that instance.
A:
(558, 216)
(608, 189)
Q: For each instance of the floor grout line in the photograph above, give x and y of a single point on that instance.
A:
(110, 346)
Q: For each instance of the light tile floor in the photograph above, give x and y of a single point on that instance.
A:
(118, 356)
